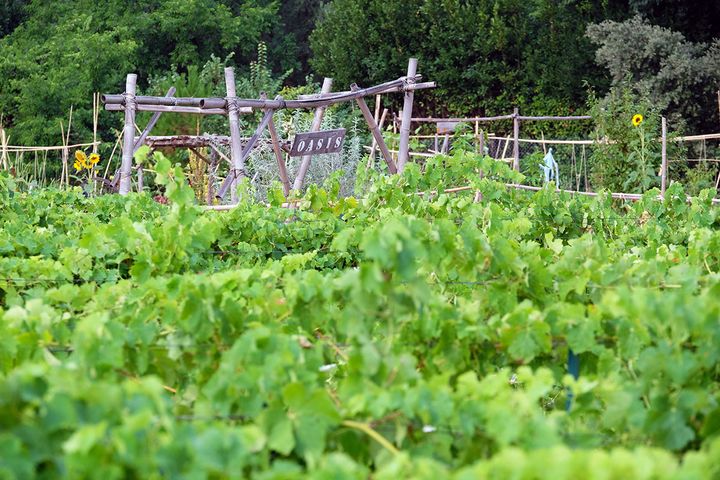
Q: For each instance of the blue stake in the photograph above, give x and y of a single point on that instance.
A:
(573, 366)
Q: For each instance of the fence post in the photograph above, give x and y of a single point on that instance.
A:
(128, 135)
(403, 149)
(516, 140)
(238, 169)
(664, 167)
(317, 122)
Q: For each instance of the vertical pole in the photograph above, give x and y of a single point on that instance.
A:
(482, 143)
(141, 179)
(282, 170)
(317, 122)
(663, 168)
(128, 135)
(238, 169)
(516, 140)
(211, 176)
(4, 140)
(403, 149)
(373, 145)
(477, 133)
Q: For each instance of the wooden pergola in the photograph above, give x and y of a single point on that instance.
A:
(232, 107)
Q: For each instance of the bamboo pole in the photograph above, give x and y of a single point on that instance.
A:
(482, 143)
(664, 167)
(404, 147)
(317, 121)
(67, 150)
(475, 138)
(4, 140)
(247, 149)
(238, 169)
(375, 130)
(373, 148)
(63, 155)
(516, 140)
(279, 157)
(315, 101)
(214, 160)
(128, 135)
(96, 115)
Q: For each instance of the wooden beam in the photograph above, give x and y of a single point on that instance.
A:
(237, 170)
(375, 130)
(404, 147)
(168, 109)
(128, 135)
(317, 122)
(282, 169)
(153, 120)
(371, 157)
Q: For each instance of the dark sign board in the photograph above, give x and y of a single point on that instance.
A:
(314, 143)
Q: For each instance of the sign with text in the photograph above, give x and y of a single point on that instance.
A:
(315, 143)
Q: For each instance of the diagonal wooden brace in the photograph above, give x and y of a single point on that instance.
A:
(377, 134)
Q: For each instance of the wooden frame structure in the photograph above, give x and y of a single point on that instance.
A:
(232, 106)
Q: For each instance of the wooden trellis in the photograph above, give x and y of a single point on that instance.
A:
(232, 106)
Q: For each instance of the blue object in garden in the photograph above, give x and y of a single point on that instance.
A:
(550, 168)
(573, 365)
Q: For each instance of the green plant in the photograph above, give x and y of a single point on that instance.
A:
(628, 155)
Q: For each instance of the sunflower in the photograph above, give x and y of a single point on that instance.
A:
(77, 165)
(80, 159)
(637, 120)
(93, 159)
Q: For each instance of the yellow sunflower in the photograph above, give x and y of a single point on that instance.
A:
(93, 159)
(80, 159)
(77, 165)
(637, 120)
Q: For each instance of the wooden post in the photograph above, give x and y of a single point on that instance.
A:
(238, 167)
(477, 133)
(96, 114)
(279, 157)
(375, 130)
(317, 122)
(482, 143)
(4, 141)
(376, 117)
(128, 135)
(663, 168)
(140, 179)
(404, 148)
(516, 140)
(247, 149)
(214, 160)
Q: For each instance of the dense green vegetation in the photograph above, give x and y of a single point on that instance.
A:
(486, 56)
(411, 336)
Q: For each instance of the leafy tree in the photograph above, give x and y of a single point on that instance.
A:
(681, 77)
(64, 51)
(485, 55)
(12, 12)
